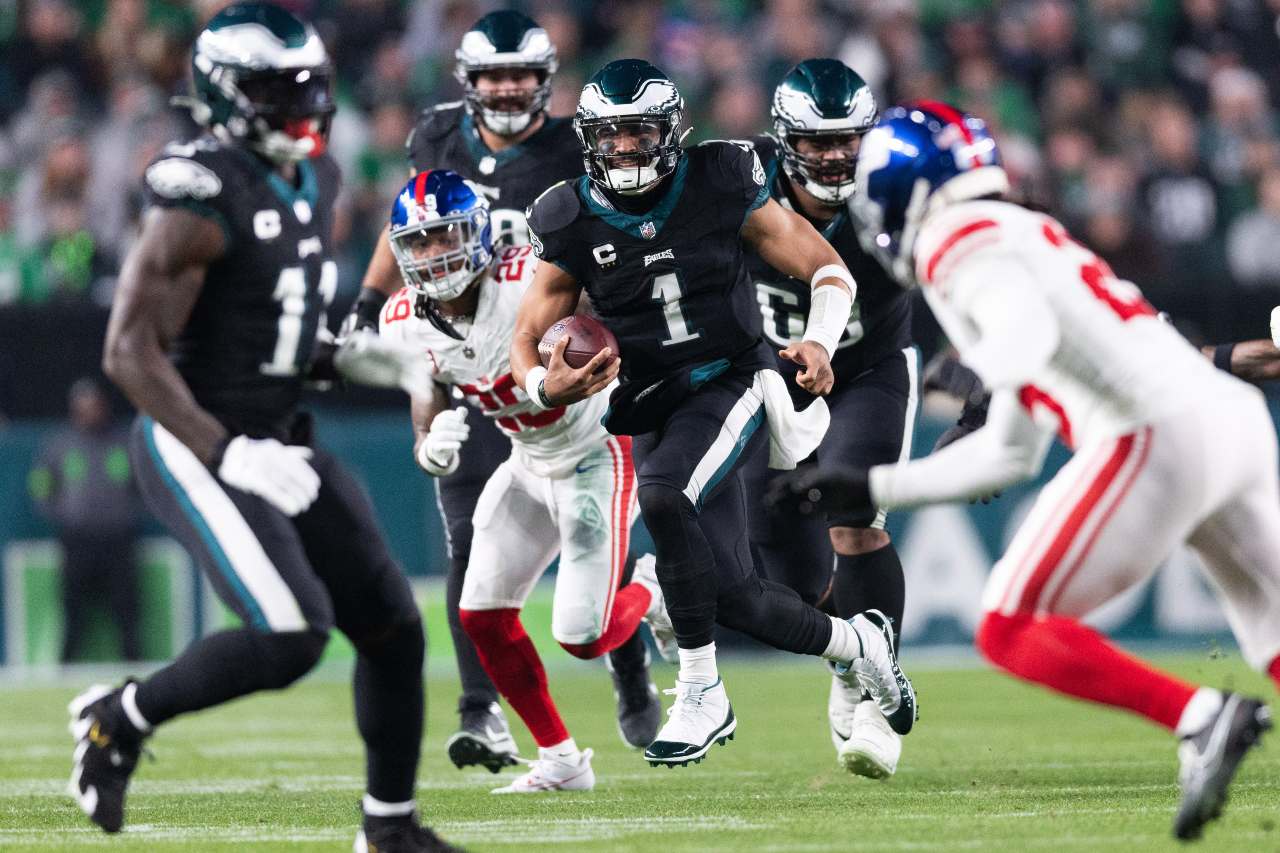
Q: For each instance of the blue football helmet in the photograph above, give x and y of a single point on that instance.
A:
(440, 234)
(917, 159)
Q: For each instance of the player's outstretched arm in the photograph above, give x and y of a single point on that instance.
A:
(381, 281)
(159, 282)
(788, 243)
(1252, 361)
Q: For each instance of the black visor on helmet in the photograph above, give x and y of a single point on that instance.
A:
(288, 94)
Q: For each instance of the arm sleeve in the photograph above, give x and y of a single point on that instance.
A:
(1017, 329)
(1010, 448)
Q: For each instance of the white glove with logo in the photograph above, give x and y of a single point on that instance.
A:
(366, 358)
(438, 454)
(278, 473)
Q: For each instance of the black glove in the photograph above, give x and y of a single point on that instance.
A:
(972, 417)
(812, 490)
(364, 313)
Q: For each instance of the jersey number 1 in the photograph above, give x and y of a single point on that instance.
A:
(667, 291)
(291, 293)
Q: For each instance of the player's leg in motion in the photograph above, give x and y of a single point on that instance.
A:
(1104, 523)
(516, 539)
(254, 558)
(483, 736)
(692, 499)
(873, 419)
(373, 605)
(593, 613)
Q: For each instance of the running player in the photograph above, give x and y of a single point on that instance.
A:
(1166, 449)
(501, 138)
(654, 234)
(821, 109)
(567, 488)
(211, 336)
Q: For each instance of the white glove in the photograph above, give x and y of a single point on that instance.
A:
(278, 473)
(1275, 326)
(366, 358)
(438, 454)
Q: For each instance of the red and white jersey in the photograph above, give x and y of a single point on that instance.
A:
(1114, 366)
(549, 442)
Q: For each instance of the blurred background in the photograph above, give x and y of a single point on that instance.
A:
(1147, 126)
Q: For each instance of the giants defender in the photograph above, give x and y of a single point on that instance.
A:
(821, 109)
(211, 337)
(501, 138)
(654, 235)
(1167, 449)
(567, 488)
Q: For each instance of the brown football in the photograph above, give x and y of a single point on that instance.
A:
(587, 337)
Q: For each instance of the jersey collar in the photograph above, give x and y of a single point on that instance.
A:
(479, 151)
(646, 226)
(779, 192)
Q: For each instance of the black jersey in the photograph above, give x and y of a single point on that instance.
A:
(881, 320)
(245, 348)
(445, 137)
(672, 283)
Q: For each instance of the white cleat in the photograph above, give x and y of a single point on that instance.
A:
(842, 703)
(877, 673)
(551, 772)
(873, 748)
(664, 634)
(700, 717)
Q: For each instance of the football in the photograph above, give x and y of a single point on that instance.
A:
(587, 337)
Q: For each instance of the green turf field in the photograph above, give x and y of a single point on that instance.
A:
(993, 765)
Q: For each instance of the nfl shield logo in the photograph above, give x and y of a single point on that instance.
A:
(648, 230)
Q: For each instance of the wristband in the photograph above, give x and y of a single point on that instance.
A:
(367, 308)
(1222, 356)
(534, 389)
(829, 308)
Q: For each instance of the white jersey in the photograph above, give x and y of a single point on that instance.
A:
(1115, 364)
(548, 442)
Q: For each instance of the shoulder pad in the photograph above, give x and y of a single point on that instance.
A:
(178, 173)
(555, 208)
(766, 146)
(436, 122)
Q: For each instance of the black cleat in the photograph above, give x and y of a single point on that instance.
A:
(399, 835)
(484, 739)
(1209, 760)
(639, 711)
(106, 753)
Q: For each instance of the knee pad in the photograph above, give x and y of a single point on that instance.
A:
(662, 504)
(286, 656)
(403, 642)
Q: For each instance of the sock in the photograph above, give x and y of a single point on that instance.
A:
(389, 699)
(512, 662)
(698, 666)
(1199, 711)
(477, 689)
(129, 701)
(629, 607)
(1067, 656)
(565, 749)
(374, 807)
(871, 580)
(845, 644)
(1274, 671)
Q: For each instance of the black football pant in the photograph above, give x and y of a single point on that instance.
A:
(290, 580)
(695, 506)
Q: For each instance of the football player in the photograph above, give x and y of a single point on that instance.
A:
(501, 138)
(821, 109)
(654, 234)
(211, 337)
(568, 487)
(1166, 449)
(1252, 361)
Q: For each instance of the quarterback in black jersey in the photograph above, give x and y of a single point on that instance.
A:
(211, 336)
(500, 138)
(820, 111)
(654, 234)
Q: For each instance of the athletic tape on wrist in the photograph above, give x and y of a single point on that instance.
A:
(829, 308)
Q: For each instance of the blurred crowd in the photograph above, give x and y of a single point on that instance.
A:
(1148, 126)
